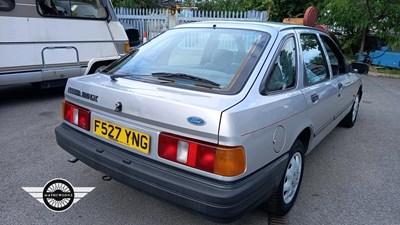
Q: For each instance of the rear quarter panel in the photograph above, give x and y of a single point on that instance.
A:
(253, 122)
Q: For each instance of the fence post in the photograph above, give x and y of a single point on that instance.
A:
(264, 16)
(171, 20)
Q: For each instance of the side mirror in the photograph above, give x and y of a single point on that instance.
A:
(360, 68)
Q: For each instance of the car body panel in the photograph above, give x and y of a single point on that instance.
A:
(161, 108)
(155, 105)
(264, 123)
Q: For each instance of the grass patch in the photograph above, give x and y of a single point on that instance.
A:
(385, 70)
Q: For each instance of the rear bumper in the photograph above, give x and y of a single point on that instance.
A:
(216, 200)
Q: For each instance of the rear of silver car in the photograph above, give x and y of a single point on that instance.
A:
(157, 129)
(149, 118)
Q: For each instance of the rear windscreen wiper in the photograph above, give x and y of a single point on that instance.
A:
(184, 76)
(115, 76)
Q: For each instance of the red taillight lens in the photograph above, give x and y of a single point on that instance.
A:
(169, 149)
(76, 115)
(226, 161)
(205, 158)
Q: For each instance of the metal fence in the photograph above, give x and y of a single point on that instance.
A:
(187, 16)
(151, 21)
(155, 21)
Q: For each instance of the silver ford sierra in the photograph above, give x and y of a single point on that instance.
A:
(215, 117)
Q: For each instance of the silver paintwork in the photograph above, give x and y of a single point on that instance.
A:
(248, 118)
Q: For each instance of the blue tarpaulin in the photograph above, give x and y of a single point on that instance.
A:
(385, 58)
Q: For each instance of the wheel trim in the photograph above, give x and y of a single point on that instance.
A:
(355, 109)
(292, 177)
(100, 68)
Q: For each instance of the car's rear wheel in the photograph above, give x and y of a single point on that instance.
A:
(350, 119)
(286, 193)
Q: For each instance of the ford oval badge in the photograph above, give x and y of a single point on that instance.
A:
(197, 121)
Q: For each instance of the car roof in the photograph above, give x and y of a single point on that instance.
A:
(245, 25)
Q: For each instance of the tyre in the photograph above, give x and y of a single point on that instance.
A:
(285, 195)
(350, 119)
(99, 66)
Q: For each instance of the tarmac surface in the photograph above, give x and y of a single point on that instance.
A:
(352, 177)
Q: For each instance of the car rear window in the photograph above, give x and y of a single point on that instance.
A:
(225, 57)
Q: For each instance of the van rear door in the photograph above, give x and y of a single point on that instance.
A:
(60, 62)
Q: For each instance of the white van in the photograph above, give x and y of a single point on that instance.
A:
(46, 41)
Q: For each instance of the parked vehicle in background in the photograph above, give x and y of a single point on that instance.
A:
(45, 41)
(215, 117)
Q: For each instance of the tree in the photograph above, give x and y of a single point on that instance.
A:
(358, 18)
(288, 8)
(227, 5)
(141, 3)
(278, 9)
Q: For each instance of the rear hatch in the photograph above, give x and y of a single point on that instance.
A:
(147, 109)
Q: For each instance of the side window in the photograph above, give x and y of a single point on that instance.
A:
(335, 56)
(283, 75)
(7, 5)
(314, 61)
(92, 9)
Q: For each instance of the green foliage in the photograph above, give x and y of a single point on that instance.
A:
(232, 5)
(278, 9)
(288, 8)
(136, 3)
(356, 18)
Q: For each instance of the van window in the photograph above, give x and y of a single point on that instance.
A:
(7, 5)
(91, 9)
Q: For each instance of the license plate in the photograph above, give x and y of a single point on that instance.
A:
(122, 135)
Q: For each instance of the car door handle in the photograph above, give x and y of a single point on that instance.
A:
(340, 86)
(314, 98)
